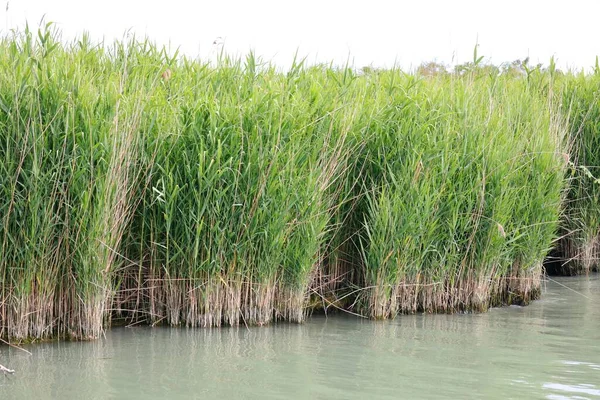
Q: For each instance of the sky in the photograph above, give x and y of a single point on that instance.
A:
(373, 33)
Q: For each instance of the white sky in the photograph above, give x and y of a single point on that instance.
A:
(376, 32)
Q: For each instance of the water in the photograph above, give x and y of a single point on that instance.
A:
(550, 349)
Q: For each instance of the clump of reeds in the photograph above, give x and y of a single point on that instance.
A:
(245, 162)
(68, 149)
(579, 247)
(462, 180)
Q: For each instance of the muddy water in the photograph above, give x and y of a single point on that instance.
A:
(550, 349)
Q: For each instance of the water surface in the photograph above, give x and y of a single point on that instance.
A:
(550, 349)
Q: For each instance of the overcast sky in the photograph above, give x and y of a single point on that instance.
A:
(376, 32)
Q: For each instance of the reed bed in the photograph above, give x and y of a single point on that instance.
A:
(462, 181)
(69, 146)
(242, 186)
(142, 187)
(579, 249)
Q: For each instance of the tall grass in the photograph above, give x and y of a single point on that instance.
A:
(461, 192)
(153, 188)
(69, 138)
(580, 245)
(241, 191)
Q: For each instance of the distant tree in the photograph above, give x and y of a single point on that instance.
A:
(432, 68)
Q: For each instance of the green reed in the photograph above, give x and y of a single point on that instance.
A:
(141, 186)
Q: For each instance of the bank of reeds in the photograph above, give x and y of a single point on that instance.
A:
(150, 188)
(462, 180)
(69, 145)
(244, 175)
(579, 249)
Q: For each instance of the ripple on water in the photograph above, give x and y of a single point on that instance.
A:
(583, 388)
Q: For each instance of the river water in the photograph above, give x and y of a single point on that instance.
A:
(550, 349)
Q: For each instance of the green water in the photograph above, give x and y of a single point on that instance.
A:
(550, 349)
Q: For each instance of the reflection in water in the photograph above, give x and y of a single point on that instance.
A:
(549, 349)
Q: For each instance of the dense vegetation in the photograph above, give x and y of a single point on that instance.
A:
(580, 244)
(143, 187)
